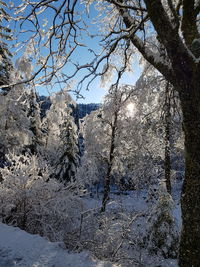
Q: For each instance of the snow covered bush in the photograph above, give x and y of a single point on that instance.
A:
(111, 235)
(32, 201)
(98, 233)
(162, 234)
(90, 174)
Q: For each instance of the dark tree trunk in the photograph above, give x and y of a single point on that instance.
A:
(189, 253)
(107, 178)
(167, 140)
(106, 189)
(167, 160)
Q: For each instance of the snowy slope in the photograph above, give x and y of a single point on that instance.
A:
(18, 248)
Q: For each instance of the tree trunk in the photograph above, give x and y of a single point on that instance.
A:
(108, 174)
(110, 163)
(106, 189)
(189, 253)
(167, 160)
(167, 140)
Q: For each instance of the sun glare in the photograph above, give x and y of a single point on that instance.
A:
(131, 109)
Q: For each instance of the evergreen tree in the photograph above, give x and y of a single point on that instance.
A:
(68, 151)
(5, 56)
(35, 122)
(162, 235)
(15, 132)
(61, 147)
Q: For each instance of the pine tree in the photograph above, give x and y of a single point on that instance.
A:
(15, 132)
(5, 56)
(61, 147)
(35, 122)
(68, 151)
(162, 235)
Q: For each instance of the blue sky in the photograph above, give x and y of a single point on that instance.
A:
(96, 93)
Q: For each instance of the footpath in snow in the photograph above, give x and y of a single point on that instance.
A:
(19, 248)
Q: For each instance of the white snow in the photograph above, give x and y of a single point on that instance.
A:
(19, 248)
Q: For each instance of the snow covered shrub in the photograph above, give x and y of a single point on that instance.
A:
(32, 201)
(98, 233)
(90, 174)
(112, 235)
(20, 188)
(162, 235)
(61, 218)
(107, 235)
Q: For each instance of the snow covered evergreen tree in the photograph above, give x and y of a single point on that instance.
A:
(36, 145)
(61, 147)
(162, 233)
(5, 56)
(15, 133)
(68, 158)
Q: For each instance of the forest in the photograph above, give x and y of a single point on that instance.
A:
(114, 183)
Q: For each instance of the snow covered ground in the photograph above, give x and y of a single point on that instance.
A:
(121, 210)
(18, 248)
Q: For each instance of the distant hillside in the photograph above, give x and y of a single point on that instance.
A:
(45, 104)
(85, 109)
(79, 111)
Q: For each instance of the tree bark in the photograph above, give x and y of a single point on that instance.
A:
(167, 159)
(106, 189)
(167, 139)
(189, 253)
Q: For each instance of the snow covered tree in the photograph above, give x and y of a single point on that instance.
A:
(61, 147)
(5, 56)
(33, 115)
(112, 108)
(5, 66)
(68, 151)
(103, 145)
(160, 116)
(93, 163)
(15, 125)
(162, 234)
